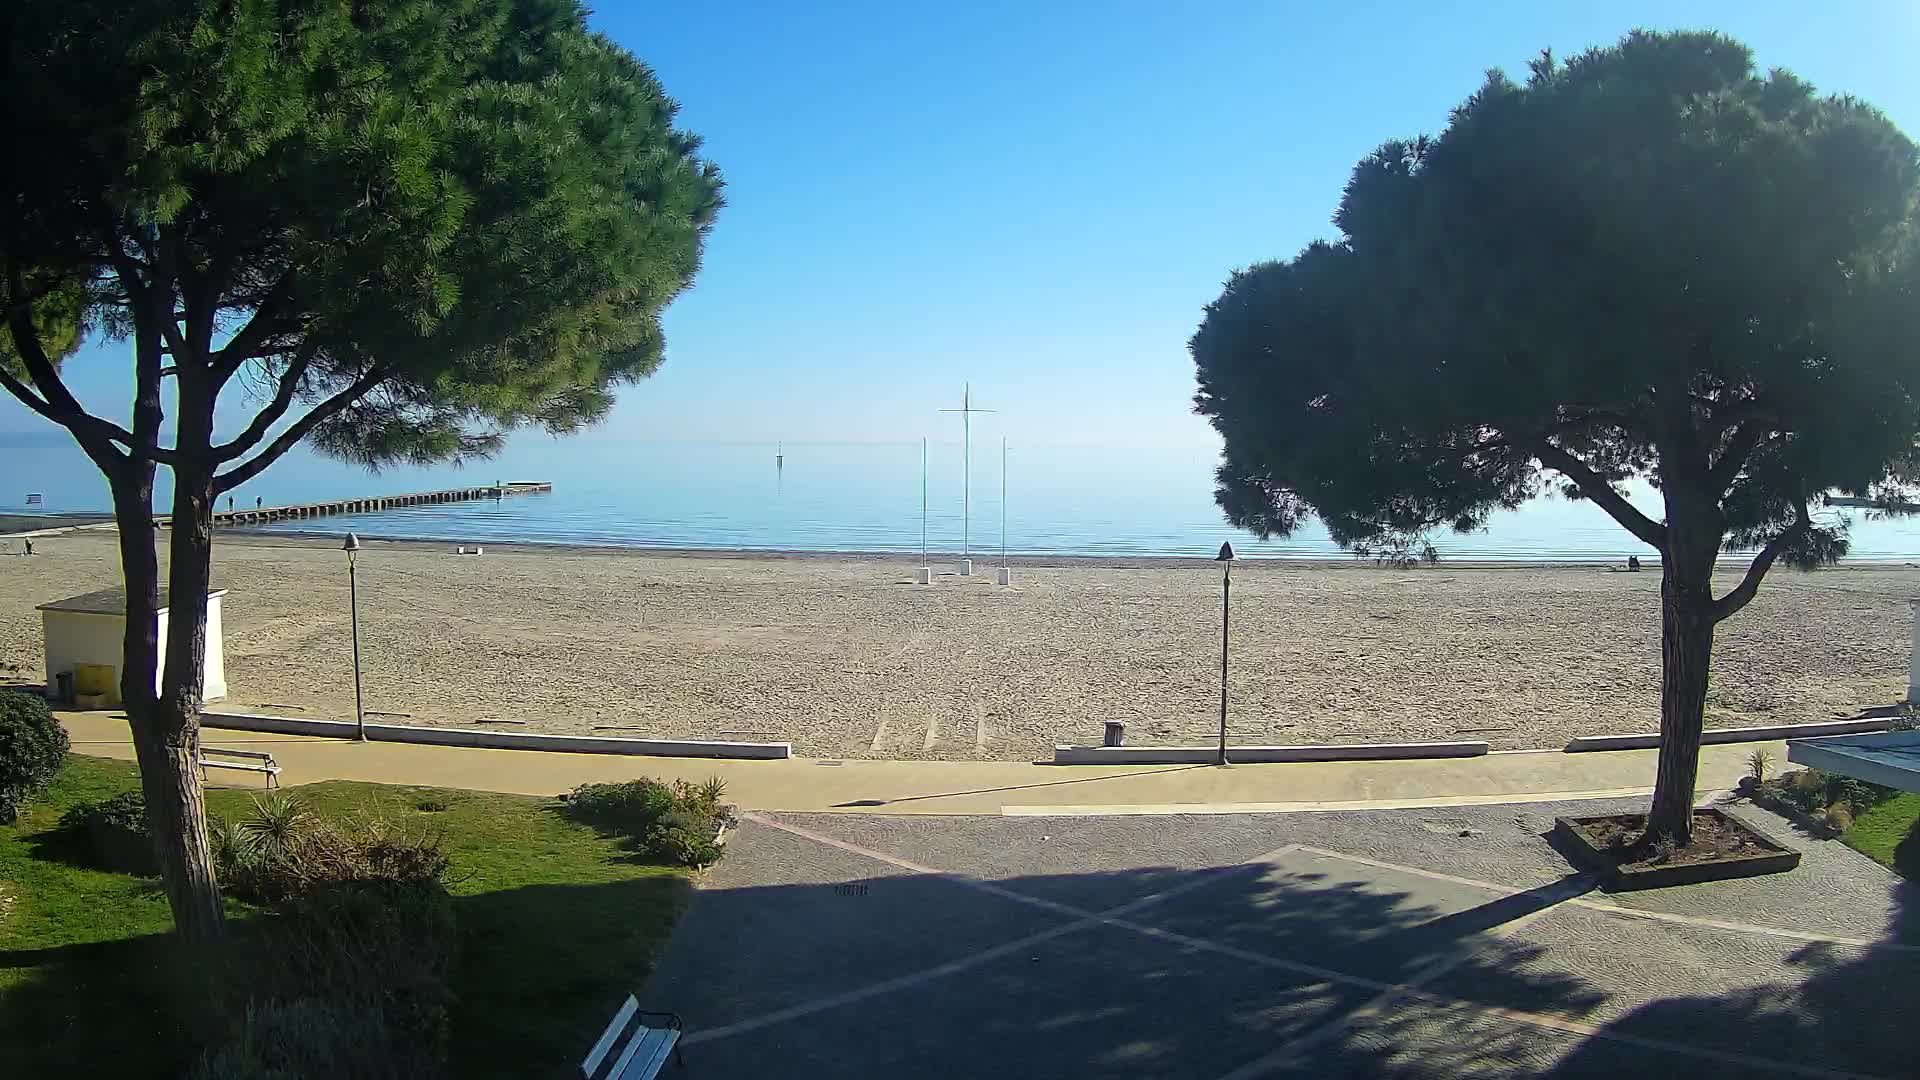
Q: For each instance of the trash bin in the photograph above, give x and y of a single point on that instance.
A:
(1116, 733)
(96, 681)
(63, 687)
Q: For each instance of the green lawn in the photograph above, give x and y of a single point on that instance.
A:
(557, 923)
(1890, 833)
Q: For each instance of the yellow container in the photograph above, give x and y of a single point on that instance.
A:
(97, 679)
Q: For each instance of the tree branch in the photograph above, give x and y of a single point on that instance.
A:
(1742, 593)
(324, 411)
(55, 401)
(76, 421)
(128, 271)
(266, 322)
(1740, 446)
(275, 409)
(1595, 487)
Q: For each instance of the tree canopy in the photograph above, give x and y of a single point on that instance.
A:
(1648, 261)
(423, 222)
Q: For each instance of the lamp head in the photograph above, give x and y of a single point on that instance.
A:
(1226, 553)
(352, 544)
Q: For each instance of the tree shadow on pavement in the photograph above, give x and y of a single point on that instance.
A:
(808, 962)
(1850, 1014)
(900, 974)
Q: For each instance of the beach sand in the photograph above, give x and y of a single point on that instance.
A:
(844, 657)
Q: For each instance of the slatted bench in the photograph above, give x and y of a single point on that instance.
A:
(635, 1046)
(212, 757)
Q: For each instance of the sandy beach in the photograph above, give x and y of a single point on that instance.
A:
(844, 657)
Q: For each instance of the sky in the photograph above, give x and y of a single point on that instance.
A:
(1039, 199)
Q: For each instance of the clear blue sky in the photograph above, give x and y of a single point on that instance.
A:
(1040, 198)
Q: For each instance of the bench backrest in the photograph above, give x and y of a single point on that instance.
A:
(631, 1048)
(601, 1049)
(250, 755)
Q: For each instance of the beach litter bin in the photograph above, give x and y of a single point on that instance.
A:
(94, 685)
(1116, 733)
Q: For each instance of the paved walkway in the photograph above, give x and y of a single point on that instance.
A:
(1396, 943)
(971, 787)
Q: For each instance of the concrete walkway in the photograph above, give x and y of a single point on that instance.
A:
(1412, 944)
(969, 787)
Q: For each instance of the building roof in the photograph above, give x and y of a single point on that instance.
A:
(108, 602)
(1888, 758)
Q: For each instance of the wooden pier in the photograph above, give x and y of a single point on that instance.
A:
(268, 514)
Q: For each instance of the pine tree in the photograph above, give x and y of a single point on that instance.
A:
(399, 229)
(1649, 261)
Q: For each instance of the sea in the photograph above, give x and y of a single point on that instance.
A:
(858, 497)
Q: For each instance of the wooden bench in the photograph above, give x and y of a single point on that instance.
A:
(212, 757)
(635, 1045)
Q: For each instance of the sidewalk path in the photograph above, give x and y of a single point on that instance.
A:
(968, 787)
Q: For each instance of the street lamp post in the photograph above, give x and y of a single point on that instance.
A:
(1225, 559)
(352, 548)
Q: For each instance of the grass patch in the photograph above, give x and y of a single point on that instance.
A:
(557, 924)
(1890, 834)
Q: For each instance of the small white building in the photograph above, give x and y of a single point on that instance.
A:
(91, 629)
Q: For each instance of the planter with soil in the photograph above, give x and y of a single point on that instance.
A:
(1723, 847)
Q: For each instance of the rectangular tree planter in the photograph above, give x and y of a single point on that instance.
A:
(1777, 859)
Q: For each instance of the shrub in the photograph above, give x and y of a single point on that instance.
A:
(1859, 795)
(677, 823)
(276, 824)
(629, 807)
(115, 832)
(348, 1039)
(1760, 766)
(280, 850)
(683, 839)
(360, 915)
(33, 746)
(1834, 799)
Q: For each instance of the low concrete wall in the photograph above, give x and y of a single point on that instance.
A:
(1253, 755)
(1732, 735)
(497, 740)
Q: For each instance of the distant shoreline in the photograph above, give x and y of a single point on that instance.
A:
(984, 561)
(18, 523)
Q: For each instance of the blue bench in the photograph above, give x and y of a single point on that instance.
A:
(635, 1045)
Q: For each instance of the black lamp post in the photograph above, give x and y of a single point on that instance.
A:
(352, 548)
(1225, 559)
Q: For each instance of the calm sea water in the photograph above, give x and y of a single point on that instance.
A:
(853, 497)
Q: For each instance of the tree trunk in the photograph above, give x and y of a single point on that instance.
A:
(1686, 651)
(196, 894)
(177, 818)
(165, 745)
